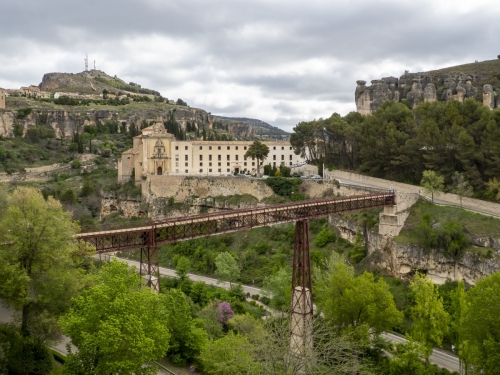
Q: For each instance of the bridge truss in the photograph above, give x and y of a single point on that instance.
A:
(147, 238)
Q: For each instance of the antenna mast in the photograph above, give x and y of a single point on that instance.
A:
(94, 64)
(86, 63)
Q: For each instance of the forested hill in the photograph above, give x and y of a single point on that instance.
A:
(260, 127)
(459, 141)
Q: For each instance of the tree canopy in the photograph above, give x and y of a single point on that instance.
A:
(38, 260)
(259, 151)
(351, 302)
(117, 326)
(480, 327)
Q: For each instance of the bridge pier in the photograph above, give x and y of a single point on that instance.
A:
(150, 269)
(301, 307)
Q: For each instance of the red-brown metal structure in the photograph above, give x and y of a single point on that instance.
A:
(301, 305)
(148, 236)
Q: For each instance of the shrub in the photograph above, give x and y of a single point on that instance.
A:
(68, 197)
(75, 164)
(265, 300)
(324, 237)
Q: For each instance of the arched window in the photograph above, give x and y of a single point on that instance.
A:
(159, 171)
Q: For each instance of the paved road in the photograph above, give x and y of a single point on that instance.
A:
(438, 356)
(207, 280)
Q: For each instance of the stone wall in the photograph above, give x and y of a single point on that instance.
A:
(182, 187)
(440, 198)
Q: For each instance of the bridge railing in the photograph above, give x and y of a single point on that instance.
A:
(185, 228)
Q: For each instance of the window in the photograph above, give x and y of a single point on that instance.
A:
(291, 148)
(219, 164)
(274, 157)
(185, 157)
(236, 147)
(290, 164)
(209, 164)
(219, 170)
(176, 163)
(210, 170)
(245, 164)
(236, 157)
(209, 147)
(228, 170)
(218, 157)
(282, 148)
(253, 164)
(218, 147)
(186, 171)
(244, 148)
(186, 164)
(274, 148)
(290, 157)
(185, 148)
(274, 164)
(201, 157)
(209, 157)
(201, 164)
(201, 170)
(229, 147)
(253, 157)
(176, 148)
(228, 157)
(176, 171)
(282, 157)
(128, 157)
(201, 147)
(228, 164)
(177, 157)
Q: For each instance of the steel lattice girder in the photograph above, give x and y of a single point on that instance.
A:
(181, 229)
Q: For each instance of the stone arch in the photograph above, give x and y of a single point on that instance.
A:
(159, 171)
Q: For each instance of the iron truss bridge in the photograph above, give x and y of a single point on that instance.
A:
(204, 225)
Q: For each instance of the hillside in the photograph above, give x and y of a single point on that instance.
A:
(259, 127)
(90, 82)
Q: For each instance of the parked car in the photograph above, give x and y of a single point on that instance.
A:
(304, 177)
(316, 177)
(230, 175)
(265, 176)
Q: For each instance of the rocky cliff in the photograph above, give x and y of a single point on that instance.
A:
(403, 259)
(479, 80)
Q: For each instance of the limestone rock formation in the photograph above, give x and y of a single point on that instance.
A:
(443, 85)
(488, 96)
(430, 94)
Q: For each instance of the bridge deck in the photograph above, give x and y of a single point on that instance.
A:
(185, 228)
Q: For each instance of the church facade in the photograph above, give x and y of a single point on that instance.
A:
(157, 152)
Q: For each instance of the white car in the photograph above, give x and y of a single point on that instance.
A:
(316, 177)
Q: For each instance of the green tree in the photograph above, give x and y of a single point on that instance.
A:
(480, 327)
(408, 360)
(117, 326)
(432, 182)
(226, 267)
(259, 151)
(232, 354)
(278, 288)
(493, 188)
(351, 303)
(430, 320)
(460, 186)
(182, 268)
(187, 338)
(37, 272)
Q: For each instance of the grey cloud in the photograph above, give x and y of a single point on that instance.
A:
(241, 43)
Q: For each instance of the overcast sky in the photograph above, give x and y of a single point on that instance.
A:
(279, 61)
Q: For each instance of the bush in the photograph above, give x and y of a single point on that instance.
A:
(283, 186)
(324, 237)
(23, 112)
(265, 300)
(68, 197)
(75, 164)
